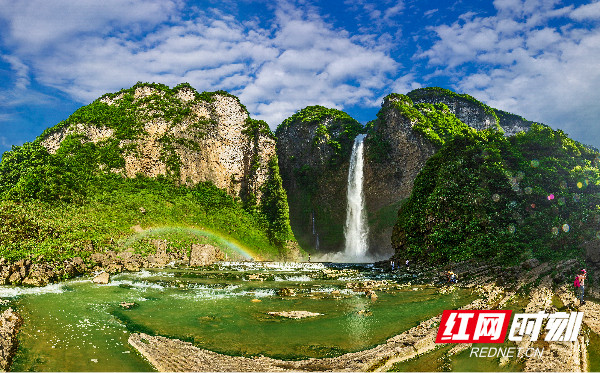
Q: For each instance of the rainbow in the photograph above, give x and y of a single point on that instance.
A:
(226, 241)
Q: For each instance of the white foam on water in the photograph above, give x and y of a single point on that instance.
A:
(276, 266)
(144, 274)
(301, 278)
(200, 287)
(15, 291)
(331, 289)
(259, 293)
(206, 293)
(138, 285)
(343, 257)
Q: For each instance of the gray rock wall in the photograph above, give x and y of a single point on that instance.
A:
(389, 181)
(316, 188)
(219, 150)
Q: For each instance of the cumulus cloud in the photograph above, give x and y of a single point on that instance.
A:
(317, 65)
(528, 58)
(587, 12)
(86, 48)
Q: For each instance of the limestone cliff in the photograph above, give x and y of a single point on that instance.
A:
(177, 133)
(470, 111)
(408, 130)
(395, 154)
(314, 147)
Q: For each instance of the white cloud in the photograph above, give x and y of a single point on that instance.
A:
(317, 65)
(37, 25)
(393, 10)
(587, 12)
(86, 48)
(520, 61)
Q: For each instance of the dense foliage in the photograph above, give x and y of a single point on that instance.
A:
(434, 121)
(274, 206)
(317, 143)
(83, 177)
(482, 195)
(105, 217)
(433, 92)
(335, 128)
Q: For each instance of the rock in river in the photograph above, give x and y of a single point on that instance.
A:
(102, 278)
(295, 314)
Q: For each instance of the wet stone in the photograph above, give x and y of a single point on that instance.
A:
(102, 278)
(295, 314)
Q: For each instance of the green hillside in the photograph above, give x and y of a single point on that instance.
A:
(72, 202)
(482, 195)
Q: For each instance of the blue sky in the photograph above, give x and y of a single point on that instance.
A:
(536, 58)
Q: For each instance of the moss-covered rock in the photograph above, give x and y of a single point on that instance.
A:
(314, 147)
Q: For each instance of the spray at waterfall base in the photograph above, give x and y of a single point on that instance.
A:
(492, 326)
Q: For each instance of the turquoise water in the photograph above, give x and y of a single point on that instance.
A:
(80, 326)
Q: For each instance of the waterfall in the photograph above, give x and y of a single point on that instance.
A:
(356, 230)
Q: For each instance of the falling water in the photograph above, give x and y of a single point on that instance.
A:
(356, 229)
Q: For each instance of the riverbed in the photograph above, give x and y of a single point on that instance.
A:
(77, 325)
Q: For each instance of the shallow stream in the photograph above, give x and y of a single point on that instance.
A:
(80, 326)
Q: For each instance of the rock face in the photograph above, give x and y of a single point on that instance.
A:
(313, 148)
(396, 153)
(180, 133)
(102, 278)
(202, 255)
(10, 322)
(470, 111)
(396, 149)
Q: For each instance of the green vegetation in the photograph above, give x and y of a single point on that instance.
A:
(378, 147)
(439, 124)
(53, 205)
(103, 220)
(434, 121)
(316, 175)
(483, 195)
(334, 128)
(436, 92)
(274, 207)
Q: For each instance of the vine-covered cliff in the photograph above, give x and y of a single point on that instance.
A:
(163, 156)
(314, 147)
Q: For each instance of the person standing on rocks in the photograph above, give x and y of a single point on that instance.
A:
(580, 283)
(452, 277)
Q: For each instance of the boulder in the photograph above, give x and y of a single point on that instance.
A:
(203, 254)
(131, 266)
(40, 274)
(10, 322)
(99, 259)
(530, 263)
(114, 268)
(102, 278)
(371, 294)
(15, 278)
(161, 256)
(4, 274)
(286, 292)
(36, 281)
